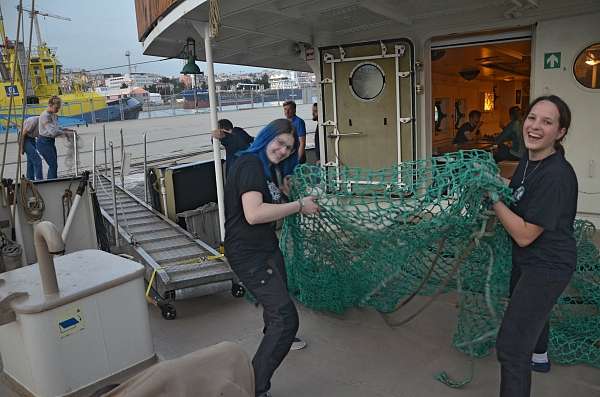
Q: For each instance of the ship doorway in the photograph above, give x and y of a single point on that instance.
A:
(489, 74)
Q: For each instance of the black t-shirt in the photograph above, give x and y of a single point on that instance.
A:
(241, 238)
(461, 136)
(549, 200)
(233, 142)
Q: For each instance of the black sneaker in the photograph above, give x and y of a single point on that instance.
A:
(541, 367)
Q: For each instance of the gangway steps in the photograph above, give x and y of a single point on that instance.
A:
(178, 259)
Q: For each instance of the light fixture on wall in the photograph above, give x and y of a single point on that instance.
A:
(469, 74)
(489, 101)
(190, 67)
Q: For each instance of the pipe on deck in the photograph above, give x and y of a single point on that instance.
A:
(47, 242)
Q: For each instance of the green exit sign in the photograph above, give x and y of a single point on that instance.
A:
(552, 60)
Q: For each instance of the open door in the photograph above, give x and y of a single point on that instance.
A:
(368, 104)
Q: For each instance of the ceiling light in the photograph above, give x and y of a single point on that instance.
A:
(592, 62)
(469, 74)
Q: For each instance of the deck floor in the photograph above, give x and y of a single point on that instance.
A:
(355, 355)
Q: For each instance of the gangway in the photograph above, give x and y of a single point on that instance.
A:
(177, 264)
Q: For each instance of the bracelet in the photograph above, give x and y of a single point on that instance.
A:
(301, 205)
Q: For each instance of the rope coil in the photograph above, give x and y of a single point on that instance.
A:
(31, 201)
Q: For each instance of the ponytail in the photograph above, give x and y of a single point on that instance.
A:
(558, 146)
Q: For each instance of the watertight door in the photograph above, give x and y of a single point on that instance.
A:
(368, 104)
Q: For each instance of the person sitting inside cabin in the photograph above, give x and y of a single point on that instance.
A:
(467, 131)
(234, 139)
(512, 132)
(289, 110)
(29, 148)
(48, 131)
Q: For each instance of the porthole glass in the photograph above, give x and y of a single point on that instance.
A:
(367, 81)
(587, 67)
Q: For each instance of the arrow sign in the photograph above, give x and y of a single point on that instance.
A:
(552, 60)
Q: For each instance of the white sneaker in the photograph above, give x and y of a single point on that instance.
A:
(298, 344)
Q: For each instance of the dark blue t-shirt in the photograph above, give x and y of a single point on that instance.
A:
(299, 126)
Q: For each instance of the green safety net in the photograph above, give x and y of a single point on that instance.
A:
(425, 228)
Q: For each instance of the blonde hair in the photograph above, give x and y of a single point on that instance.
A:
(54, 100)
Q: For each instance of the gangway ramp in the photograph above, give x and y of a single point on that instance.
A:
(177, 264)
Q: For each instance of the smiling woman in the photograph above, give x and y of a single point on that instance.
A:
(254, 201)
(540, 224)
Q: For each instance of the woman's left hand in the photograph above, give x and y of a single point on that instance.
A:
(309, 205)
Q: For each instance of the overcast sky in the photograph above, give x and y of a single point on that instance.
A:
(99, 33)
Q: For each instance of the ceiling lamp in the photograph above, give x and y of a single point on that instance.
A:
(591, 60)
(191, 67)
(469, 74)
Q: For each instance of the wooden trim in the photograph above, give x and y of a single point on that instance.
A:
(148, 12)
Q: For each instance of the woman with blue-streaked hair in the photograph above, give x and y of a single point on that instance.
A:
(253, 204)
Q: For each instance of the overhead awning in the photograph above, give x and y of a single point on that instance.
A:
(274, 33)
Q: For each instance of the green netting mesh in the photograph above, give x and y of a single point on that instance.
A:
(424, 228)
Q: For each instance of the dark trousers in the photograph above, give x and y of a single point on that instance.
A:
(47, 149)
(524, 330)
(265, 278)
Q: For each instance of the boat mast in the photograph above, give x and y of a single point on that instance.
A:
(4, 73)
(2, 32)
(38, 31)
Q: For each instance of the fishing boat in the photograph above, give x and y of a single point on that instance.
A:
(29, 79)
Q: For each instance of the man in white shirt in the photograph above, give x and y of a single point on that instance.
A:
(48, 131)
(29, 148)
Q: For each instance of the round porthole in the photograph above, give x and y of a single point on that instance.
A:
(367, 81)
(587, 67)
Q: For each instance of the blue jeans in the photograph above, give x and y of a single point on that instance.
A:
(34, 161)
(47, 149)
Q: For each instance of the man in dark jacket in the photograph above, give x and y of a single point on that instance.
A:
(234, 139)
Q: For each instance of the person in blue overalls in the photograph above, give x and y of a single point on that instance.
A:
(29, 148)
(48, 131)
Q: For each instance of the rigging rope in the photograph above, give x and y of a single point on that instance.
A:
(12, 83)
(214, 18)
